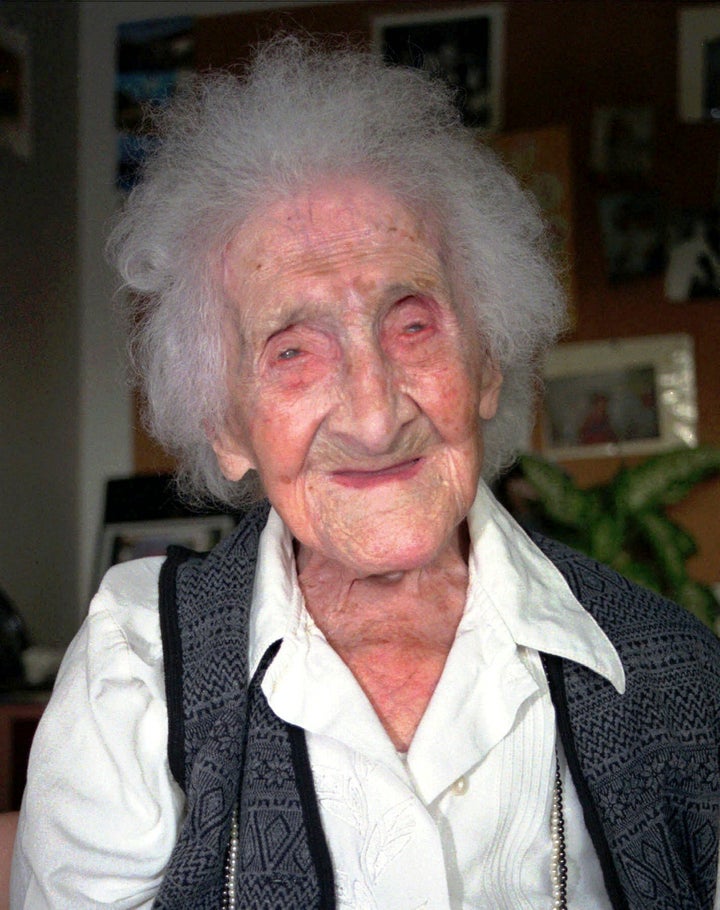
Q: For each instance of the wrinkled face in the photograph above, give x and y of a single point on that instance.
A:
(357, 392)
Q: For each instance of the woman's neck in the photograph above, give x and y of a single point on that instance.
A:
(394, 631)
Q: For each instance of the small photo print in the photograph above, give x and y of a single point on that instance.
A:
(122, 541)
(693, 268)
(461, 46)
(633, 230)
(601, 408)
(623, 141)
(15, 113)
(711, 79)
(699, 62)
(619, 397)
(154, 57)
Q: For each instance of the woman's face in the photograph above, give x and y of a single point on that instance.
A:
(357, 392)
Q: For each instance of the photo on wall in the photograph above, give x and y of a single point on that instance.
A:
(699, 63)
(633, 231)
(154, 57)
(623, 141)
(693, 268)
(463, 46)
(619, 397)
(15, 106)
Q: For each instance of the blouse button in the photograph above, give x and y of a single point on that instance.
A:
(460, 786)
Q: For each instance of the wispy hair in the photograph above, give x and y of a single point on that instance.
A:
(230, 143)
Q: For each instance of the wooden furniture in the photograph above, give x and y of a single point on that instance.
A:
(19, 716)
(8, 826)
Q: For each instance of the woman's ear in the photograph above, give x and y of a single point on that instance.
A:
(489, 390)
(233, 456)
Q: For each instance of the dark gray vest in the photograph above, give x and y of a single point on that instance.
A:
(646, 765)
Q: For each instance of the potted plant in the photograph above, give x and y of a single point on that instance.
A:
(623, 523)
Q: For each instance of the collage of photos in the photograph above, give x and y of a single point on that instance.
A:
(642, 234)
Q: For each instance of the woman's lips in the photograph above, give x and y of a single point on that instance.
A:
(362, 479)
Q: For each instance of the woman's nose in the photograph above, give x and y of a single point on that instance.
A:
(372, 406)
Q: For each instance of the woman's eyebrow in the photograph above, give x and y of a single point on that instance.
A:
(284, 317)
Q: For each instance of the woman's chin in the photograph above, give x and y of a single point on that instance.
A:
(392, 558)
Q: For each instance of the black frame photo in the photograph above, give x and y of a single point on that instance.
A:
(462, 46)
(144, 515)
(699, 63)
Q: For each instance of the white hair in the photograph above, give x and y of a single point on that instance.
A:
(229, 144)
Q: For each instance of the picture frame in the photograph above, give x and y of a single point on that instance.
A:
(154, 58)
(623, 140)
(144, 515)
(15, 96)
(465, 46)
(693, 262)
(619, 397)
(633, 227)
(122, 541)
(699, 64)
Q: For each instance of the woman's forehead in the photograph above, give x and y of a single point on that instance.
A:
(326, 221)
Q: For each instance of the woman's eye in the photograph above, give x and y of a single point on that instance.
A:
(289, 354)
(411, 318)
(414, 327)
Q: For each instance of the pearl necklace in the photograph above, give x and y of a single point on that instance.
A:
(229, 897)
(558, 856)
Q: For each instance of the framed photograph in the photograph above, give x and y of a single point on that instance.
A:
(699, 63)
(15, 109)
(143, 516)
(693, 267)
(619, 397)
(464, 46)
(154, 58)
(622, 141)
(136, 539)
(633, 230)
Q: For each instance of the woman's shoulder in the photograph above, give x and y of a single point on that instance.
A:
(124, 613)
(133, 581)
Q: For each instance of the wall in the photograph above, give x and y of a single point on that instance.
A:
(39, 349)
(562, 59)
(576, 56)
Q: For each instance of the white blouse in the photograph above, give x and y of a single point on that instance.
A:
(460, 821)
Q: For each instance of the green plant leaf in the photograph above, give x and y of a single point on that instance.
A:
(561, 499)
(606, 535)
(700, 601)
(669, 543)
(663, 479)
(623, 523)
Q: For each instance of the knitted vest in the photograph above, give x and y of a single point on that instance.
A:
(646, 765)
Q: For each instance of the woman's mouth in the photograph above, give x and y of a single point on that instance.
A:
(364, 478)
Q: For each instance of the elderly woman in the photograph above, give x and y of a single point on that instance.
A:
(379, 692)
